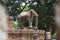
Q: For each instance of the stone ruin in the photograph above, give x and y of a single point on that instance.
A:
(26, 33)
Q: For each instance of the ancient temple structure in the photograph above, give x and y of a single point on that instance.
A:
(26, 33)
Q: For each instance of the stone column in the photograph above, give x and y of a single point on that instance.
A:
(48, 35)
(57, 18)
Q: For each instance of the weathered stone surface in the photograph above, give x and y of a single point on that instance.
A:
(11, 21)
(57, 18)
(26, 34)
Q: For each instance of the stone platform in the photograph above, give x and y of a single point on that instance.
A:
(26, 34)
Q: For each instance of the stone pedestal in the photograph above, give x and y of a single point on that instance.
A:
(26, 34)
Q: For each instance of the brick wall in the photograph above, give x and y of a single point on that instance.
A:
(25, 34)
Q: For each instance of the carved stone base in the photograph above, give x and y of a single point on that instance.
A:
(26, 34)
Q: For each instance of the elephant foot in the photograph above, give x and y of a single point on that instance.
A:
(30, 26)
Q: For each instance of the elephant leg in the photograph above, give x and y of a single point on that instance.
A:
(21, 23)
(36, 21)
(30, 22)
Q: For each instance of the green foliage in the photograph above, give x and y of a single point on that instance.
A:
(54, 36)
(15, 24)
(26, 8)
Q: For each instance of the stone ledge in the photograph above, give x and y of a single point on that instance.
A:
(25, 31)
(24, 34)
